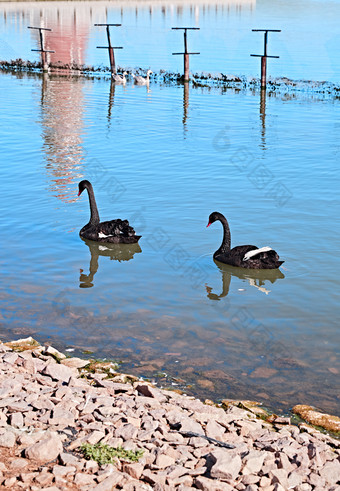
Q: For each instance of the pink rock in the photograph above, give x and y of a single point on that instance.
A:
(18, 464)
(331, 472)
(63, 470)
(316, 480)
(134, 470)
(253, 462)
(149, 391)
(214, 430)
(61, 416)
(74, 362)
(279, 476)
(152, 478)
(110, 482)
(226, 464)
(7, 439)
(16, 420)
(163, 461)
(95, 437)
(82, 479)
(59, 372)
(45, 450)
(127, 432)
(206, 484)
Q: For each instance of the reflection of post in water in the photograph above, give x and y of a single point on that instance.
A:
(62, 128)
(263, 115)
(255, 277)
(45, 79)
(111, 99)
(185, 101)
(117, 252)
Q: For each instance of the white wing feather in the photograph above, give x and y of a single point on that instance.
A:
(255, 252)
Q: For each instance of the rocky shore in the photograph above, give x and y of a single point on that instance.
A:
(53, 411)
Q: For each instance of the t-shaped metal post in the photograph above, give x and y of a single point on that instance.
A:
(42, 50)
(265, 56)
(186, 54)
(110, 48)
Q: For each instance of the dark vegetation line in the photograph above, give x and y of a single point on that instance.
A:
(203, 79)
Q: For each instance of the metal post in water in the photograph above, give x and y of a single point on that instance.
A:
(186, 53)
(42, 50)
(110, 48)
(265, 56)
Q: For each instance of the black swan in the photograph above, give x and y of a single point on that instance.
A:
(246, 256)
(115, 231)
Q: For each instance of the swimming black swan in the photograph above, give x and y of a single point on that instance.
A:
(115, 231)
(246, 256)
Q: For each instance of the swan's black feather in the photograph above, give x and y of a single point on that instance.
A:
(113, 231)
(235, 257)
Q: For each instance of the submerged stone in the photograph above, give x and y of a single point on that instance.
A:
(327, 421)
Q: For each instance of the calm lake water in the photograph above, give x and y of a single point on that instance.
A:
(165, 158)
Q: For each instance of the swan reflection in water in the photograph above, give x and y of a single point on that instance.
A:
(255, 277)
(117, 252)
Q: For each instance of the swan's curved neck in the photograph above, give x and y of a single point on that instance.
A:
(225, 246)
(93, 207)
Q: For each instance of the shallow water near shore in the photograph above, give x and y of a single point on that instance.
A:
(165, 158)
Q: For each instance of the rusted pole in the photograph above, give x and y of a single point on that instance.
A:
(186, 53)
(42, 50)
(265, 56)
(110, 48)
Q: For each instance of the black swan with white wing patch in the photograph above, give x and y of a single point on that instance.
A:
(114, 231)
(246, 256)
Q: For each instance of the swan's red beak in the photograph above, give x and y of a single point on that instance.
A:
(79, 193)
(208, 224)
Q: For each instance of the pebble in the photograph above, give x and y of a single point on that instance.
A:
(47, 412)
